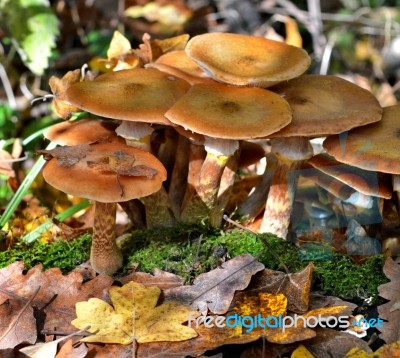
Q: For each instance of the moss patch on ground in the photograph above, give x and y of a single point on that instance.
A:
(189, 251)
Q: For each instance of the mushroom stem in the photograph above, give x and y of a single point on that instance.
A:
(218, 153)
(225, 189)
(105, 256)
(250, 208)
(179, 173)
(290, 153)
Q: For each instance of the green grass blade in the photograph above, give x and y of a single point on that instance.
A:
(24, 187)
(35, 234)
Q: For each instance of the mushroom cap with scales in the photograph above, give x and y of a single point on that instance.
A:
(140, 95)
(244, 60)
(373, 147)
(324, 105)
(227, 112)
(82, 180)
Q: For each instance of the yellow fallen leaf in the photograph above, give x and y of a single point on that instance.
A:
(134, 316)
(301, 352)
(387, 350)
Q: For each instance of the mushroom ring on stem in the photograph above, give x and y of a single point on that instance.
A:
(106, 173)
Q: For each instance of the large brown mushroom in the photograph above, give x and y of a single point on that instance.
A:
(106, 173)
(321, 105)
(139, 97)
(244, 60)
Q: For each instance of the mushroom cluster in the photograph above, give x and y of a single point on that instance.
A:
(172, 121)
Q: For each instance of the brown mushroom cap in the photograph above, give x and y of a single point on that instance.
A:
(373, 147)
(324, 105)
(244, 60)
(228, 112)
(141, 95)
(80, 132)
(179, 64)
(84, 181)
(364, 181)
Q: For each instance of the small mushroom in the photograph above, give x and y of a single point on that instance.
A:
(106, 173)
(244, 60)
(80, 132)
(179, 64)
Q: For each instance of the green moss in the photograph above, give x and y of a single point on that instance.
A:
(63, 254)
(189, 251)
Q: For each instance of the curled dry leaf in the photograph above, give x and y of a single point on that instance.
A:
(66, 156)
(58, 87)
(150, 50)
(214, 290)
(134, 316)
(122, 163)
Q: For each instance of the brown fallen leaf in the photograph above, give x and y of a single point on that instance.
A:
(159, 278)
(386, 351)
(150, 50)
(215, 290)
(122, 163)
(390, 311)
(58, 87)
(15, 330)
(296, 287)
(134, 316)
(55, 301)
(66, 156)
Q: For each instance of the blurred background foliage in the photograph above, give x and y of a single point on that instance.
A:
(356, 39)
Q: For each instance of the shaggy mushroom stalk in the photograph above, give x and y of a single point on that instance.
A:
(105, 256)
(290, 153)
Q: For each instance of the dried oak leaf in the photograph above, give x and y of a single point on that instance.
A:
(55, 301)
(66, 156)
(215, 290)
(134, 316)
(295, 286)
(58, 87)
(390, 311)
(122, 163)
(15, 330)
(159, 278)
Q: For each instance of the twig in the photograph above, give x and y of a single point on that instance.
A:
(48, 332)
(226, 218)
(15, 320)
